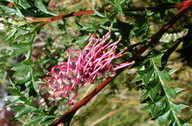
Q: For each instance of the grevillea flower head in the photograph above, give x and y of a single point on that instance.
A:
(83, 67)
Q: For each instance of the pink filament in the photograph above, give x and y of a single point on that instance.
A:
(85, 66)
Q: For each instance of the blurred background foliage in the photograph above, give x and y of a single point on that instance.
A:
(119, 103)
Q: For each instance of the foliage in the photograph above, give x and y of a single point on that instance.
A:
(35, 39)
(157, 94)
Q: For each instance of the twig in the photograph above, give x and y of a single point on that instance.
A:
(65, 119)
(47, 20)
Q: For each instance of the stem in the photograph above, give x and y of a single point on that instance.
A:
(47, 20)
(153, 40)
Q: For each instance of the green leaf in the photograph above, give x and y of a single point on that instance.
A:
(43, 120)
(154, 91)
(90, 27)
(137, 79)
(8, 10)
(10, 34)
(160, 104)
(12, 98)
(21, 32)
(15, 91)
(39, 4)
(17, 100)
(20, 68)
(97, 13)
(23, 109)
(10, 1)
(162, 119)
(157, 94)
(157, 60)
(37, 120)
(164, 75)
(24, 4)
(145, 75)
(177, 107)
(49, 120)
(147, 107)
(171, 92)
(156, 106)
(117, 6)
(19, 49)
(173, 71)
(177, 90)
(81, 40)
(21, 72)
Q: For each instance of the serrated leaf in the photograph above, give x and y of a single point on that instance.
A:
(154, 91)
(159, 98)
(147, 76)
(177, 107)
(164, 75)
(163, 118)
(177, 90)
(171, 92)
(160, 104)
(157, 60)
(147, 107)
(137, 79)
(173, 71)
(151, 91)
(157, 106)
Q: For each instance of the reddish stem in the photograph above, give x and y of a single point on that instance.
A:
(47, 20)
(154, 39)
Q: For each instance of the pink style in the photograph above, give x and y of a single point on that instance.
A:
(83, 68)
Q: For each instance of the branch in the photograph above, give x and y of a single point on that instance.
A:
(47, 20)
(65, 119)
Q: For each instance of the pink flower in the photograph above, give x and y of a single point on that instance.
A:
(83, 68)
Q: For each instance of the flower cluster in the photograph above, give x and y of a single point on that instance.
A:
(83, 67)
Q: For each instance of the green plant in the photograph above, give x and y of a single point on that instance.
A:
(30, 50)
